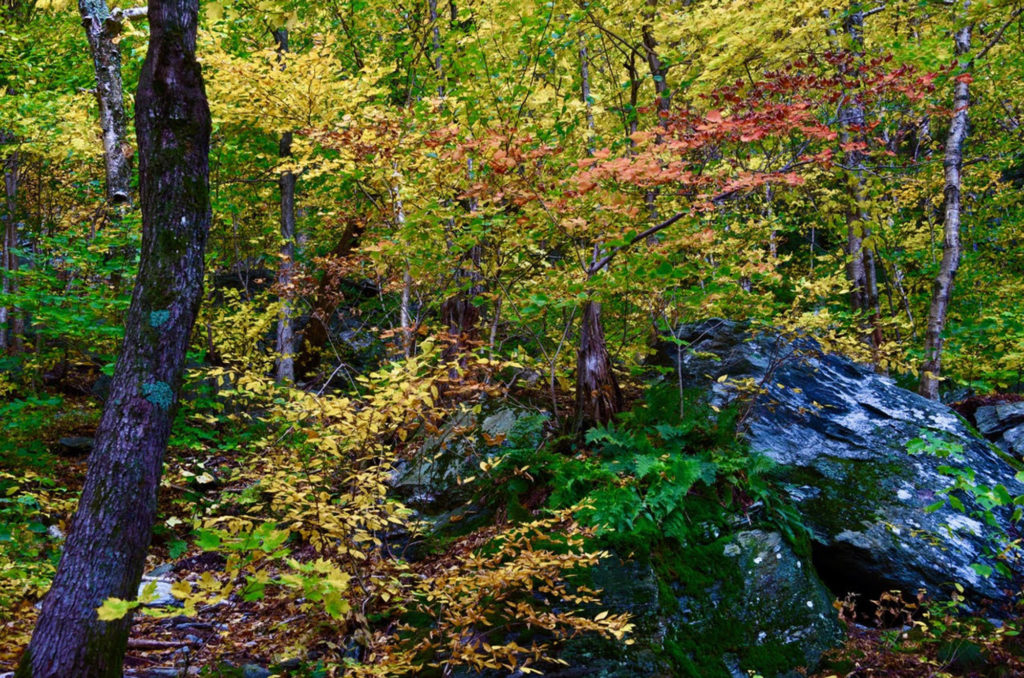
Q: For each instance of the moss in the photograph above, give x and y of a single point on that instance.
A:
(831, 511)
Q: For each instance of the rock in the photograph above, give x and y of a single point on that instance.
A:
(839, 435)
(162, 592)
(784, 604)
(158, 672)
(1012, 441)
(743, 605)
(159, 571)
(430, 480)
(255, 671)
(996, 419)
(1003, 424)
(74, 446)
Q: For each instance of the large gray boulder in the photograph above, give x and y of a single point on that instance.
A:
(839, 434)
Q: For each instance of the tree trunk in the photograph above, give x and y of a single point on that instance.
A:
(942, 289)
(598, 397)
(315, 334)
(102, 30)
(105, 551)
(286, 273)
(664, 102)
(435, 36)
(9, 335)
(459, 313)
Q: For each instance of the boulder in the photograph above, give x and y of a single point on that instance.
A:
(431, 480)
(743, 605)
(783, 606)
(839, 436)
(1003, 424)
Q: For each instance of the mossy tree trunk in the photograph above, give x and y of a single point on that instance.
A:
(106, 548)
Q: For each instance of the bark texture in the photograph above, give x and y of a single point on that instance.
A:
(102, 29)
(286, 273)
(860, 266)
(942, 288)
(106, 548)
(598, 397)
(10, 338)
(317, 330)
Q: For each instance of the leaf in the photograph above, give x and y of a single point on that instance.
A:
(181, 590)
(113, 609)
(982, 569)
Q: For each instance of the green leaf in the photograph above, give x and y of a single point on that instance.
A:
(982, 569)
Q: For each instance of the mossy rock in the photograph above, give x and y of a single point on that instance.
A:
(746, 602)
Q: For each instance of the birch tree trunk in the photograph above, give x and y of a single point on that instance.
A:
(102, 29)
(106, 549)
(286, 272)
(942, 288)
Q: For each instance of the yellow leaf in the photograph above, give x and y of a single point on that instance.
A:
(181, 590)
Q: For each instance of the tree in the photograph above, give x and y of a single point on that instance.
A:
(106, 548)
(102, 28)
(942, 288)
(286, 270)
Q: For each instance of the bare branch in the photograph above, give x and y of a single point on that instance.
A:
(999, 34)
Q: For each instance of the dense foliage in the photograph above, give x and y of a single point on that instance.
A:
(419, 209)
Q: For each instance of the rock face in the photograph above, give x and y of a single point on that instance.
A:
(839, 434)
(743, 605)
(1003, 424)
(783, 604)
(430, 480)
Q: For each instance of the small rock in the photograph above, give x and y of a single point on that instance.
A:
(55, 532)
(74, 446)
(163, 597)
(156, 672)
(159, 571)
(289, 664)
(255, 671)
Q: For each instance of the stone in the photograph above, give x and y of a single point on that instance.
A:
(783, 602)
(993, 420)
(74, 446)
(162, 592)
(1013, 441)
(746, 604)
(429, 481)
(839, 435)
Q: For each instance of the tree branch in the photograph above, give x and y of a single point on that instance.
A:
(131, 13)
(999, 34)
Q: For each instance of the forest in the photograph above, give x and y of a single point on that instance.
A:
(456, 338)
